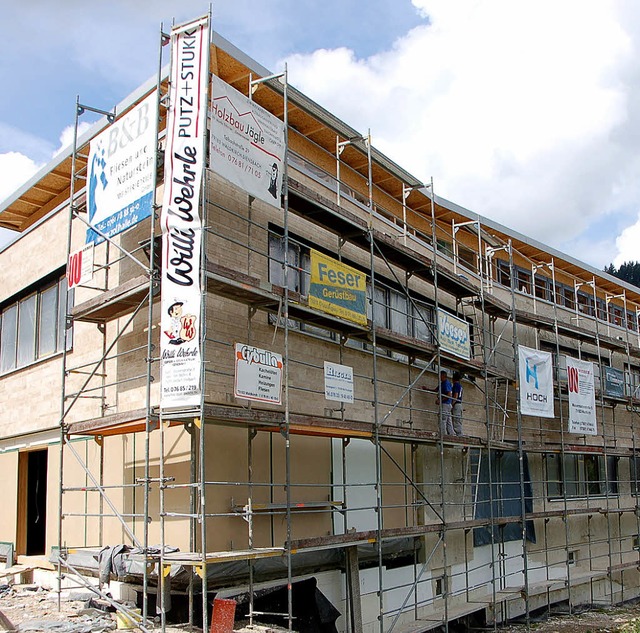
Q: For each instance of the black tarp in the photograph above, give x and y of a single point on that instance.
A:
(501, 496)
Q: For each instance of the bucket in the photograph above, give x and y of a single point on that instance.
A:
(223, 616)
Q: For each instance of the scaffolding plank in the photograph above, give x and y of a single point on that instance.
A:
(113, 303)
(194, 558)
(114, 424)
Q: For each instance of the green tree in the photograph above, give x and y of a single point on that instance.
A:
(629, 272)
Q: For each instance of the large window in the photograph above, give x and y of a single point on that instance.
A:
(390, 307)
(581, 475)
(543, 288)
(498, 493)
(632, 381)
(32, 327)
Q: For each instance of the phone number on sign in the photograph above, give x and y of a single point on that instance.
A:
(180, 388)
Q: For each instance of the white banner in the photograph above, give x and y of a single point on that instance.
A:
(453, 334)
(258, 374)
(120, 172)
(338, 382)
(181, 360)
(80, 266)
(536, 382)
(247, 143)
(582, 397)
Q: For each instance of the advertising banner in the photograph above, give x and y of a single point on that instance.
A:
(582, 397)
(258, 374)
(453, 335)
(338, 382)
(80, 266)
(338, 289)
(614, 382)
(120, 172)
(181, 360)
(536, 382)
(247, 143)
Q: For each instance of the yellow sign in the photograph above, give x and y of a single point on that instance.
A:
(338, 289)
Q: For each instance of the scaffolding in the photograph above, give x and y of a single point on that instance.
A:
(375, 495)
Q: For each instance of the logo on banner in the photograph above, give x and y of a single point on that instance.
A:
(120, 172)
(247, 143)
(532, 373)
(536, 377)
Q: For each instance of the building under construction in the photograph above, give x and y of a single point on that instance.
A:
(310, 473)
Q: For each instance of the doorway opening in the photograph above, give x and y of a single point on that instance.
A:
(32, 502)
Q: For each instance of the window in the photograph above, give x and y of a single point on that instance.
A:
(33, 327)
(634, 474)
(632, 381)
(585, 303)
(581, 475)
(423, 319)
(565, 296)
(523, 278)
(468, 258)
(295, 277)
(445, 247)
(543, 288)
(616, 314)
(503, 273)
(498, 493)
(399, 313)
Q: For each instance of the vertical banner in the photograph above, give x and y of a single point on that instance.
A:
(582, 397)
(181, 359)
(536, 382)
(122, 160)
(247, 143)
(80, 266)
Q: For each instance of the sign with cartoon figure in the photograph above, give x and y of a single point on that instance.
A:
(120, 172)
(247, 143)
(181, 358)
(183, 326)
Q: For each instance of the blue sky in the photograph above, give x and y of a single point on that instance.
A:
(525, 112)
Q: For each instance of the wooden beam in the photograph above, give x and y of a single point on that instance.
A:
(45, 209)
(353, 580)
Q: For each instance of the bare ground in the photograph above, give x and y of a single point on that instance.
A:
(30, 608)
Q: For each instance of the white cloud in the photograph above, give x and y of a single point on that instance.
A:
(628, 245)
(521, 111)
(66, 136)
(15, 169)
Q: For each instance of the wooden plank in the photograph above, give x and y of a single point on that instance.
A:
(353, 588)
(113, 303)
(6, 624)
